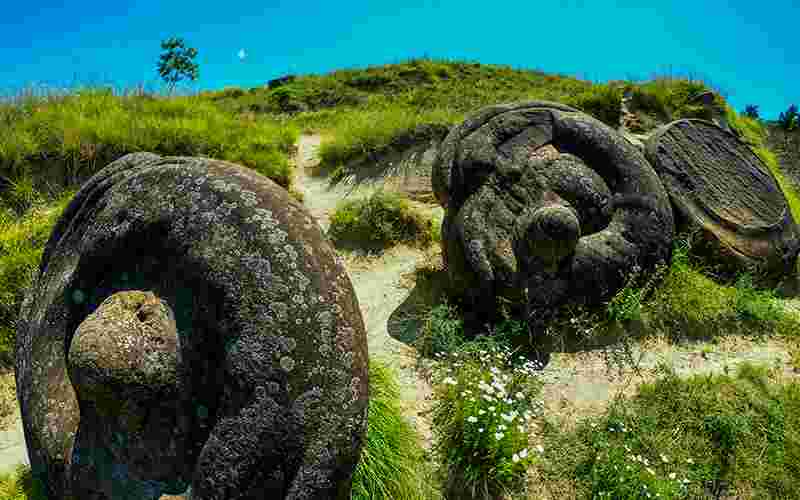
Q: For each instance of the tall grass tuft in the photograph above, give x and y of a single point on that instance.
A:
(392, 460)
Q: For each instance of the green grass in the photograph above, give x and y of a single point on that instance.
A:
(667, 98)
(79, 134)
(392, 465)
(676, 436)
(601, 101)
(22, 241)
(19, 485)
(381, 220)
(685, 301)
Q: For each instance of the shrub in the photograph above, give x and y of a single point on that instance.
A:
(602, 102)
(789, 119)
(751, 111)
(485, 404)
(381, 220)
(649, 102)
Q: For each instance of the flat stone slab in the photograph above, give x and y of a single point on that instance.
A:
(718, 185)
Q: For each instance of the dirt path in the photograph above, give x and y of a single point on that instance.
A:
(376, 281)
(583, 383)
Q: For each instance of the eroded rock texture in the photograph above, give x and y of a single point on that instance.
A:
(190, 329)
(546, 205)
(721, 188)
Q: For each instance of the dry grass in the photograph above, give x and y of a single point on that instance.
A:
(9, 407)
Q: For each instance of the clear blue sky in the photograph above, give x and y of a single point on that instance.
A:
(748, 49)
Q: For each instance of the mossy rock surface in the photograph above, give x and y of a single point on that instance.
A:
(269, 391)
(547, 203)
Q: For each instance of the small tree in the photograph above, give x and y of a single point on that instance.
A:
(751, 111)
(177, 62)
(789, 120)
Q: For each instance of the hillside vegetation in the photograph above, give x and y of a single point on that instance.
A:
(50, 145)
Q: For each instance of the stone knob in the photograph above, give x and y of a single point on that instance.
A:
(125, 350)
(552, 233)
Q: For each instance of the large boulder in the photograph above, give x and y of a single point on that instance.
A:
(721, 188)
(190, 329)
(546, 205)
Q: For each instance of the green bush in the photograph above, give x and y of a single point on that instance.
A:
(602, 102)
(484, 408)
(751, 111)
(789, 119)
(392, 462)
(381, 220)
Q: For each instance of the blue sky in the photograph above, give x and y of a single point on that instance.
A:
(746, 49)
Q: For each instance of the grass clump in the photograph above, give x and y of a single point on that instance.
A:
(20, 485)
(602, 101)
(22, 241)
(668, 98)
(442, 331)
(381, 220)
(683, 438)
(391, 465)
(486, 402)
(366, 132)
(693, 302)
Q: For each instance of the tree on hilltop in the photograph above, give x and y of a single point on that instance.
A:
(789, 120)
(177, 63)
(751, 111)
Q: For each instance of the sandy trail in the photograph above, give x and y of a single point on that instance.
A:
(376, 281)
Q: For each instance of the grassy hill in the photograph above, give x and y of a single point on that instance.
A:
(50, 145)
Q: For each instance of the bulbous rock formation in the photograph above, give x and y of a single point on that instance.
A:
(190, 332)
(546, 205)
(720, 187)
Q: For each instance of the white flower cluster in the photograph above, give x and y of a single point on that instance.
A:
(494, 399)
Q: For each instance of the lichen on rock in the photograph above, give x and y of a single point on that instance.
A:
(172, 286)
